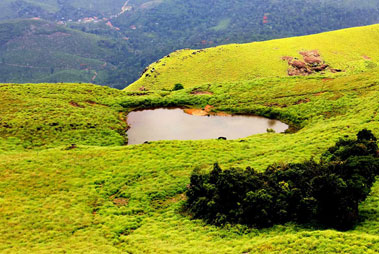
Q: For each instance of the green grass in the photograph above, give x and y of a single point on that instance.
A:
(104, 197)
(341, 49)
(47, 115)
(55, 200)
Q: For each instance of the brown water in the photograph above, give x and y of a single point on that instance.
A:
(174, 124)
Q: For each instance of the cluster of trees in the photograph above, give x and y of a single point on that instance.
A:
(326, 193)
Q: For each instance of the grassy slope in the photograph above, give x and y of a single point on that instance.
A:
(126, 199)
(341, 49)
(59, 114)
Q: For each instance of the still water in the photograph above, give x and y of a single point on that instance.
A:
(175, 124)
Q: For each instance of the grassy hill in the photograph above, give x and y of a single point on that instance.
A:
(100, 196)
(142, 31)
(342, 50)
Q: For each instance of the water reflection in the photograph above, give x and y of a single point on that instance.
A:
(174, 124)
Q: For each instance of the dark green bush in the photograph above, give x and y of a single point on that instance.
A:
(178, 87)
(327, 193)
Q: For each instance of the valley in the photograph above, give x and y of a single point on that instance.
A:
(70, 183)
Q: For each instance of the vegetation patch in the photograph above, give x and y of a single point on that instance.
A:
(328, 192)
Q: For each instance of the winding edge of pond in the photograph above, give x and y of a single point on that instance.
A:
(212, 111)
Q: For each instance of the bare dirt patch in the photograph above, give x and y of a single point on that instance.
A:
(336, 96)
(94, 103)
(196, 112)
(201, 93)
(320, 93)
(207, 111)
(75, 104)
(275, 104)
(301, 101)
(120, 201)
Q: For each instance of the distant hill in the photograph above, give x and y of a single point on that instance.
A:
(59, 9)
(349, 50)
(144, 31)
(41, 51)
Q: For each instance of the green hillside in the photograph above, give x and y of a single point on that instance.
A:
(143, 31)
(100, 196)
(57, 9)
(342, 50)
(41, 51)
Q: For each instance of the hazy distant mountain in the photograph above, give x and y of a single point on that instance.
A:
(59, 9)
(138, 32)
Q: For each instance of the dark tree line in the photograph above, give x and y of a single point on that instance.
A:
(326, 193)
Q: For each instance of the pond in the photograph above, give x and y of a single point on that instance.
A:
(179, 124)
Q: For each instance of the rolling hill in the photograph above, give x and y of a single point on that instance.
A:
(341, 50)
(144, 31)
(68, 184)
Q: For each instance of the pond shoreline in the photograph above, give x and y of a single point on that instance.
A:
(179, 123)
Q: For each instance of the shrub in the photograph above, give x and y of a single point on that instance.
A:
(327, 193)
(178, 87)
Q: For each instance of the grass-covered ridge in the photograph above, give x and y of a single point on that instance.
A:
(351, 50)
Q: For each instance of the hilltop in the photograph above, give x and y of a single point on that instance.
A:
(349, 51)
(139, 32)
(69, 183)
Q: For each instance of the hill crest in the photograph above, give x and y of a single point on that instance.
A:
(347, 50)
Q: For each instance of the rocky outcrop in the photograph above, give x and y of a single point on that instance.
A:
(312, 62)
